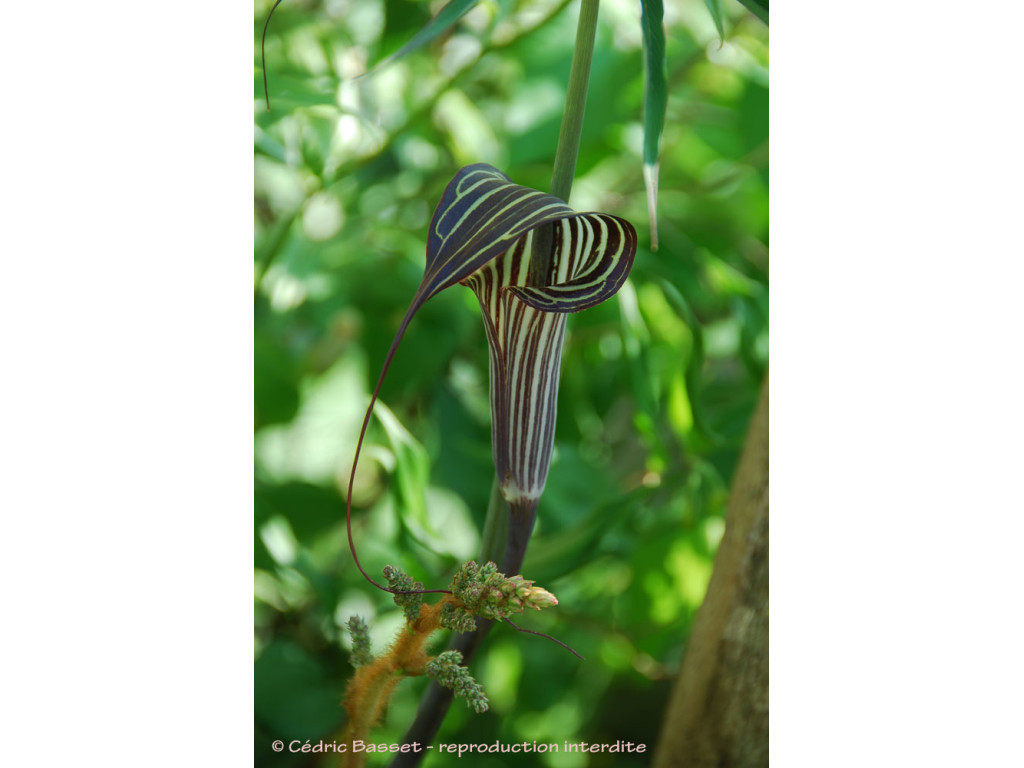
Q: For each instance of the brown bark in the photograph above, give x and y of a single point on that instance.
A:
(718, 714)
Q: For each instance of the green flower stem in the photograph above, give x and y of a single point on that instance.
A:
(492, 548)
(569, 135)
(436, 700)
(575, 102)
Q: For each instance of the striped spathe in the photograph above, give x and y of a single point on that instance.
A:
(483, 234)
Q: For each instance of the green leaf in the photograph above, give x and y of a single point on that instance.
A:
(296, 90)
(295, 693)
(636, 340)
(276, 382)
(715, 8)
(655, 101)
(695, 364)
(445, 18)
(757, 7)
(412, 467)
(309, 509)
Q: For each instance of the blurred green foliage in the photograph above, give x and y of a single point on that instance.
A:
(657, 384)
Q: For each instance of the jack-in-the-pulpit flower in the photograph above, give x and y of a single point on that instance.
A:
(487, 234)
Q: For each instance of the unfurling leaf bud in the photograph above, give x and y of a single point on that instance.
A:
(538, 597)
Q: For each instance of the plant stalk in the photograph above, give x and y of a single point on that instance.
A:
(569, 135)
(495, 527)
(575, 102)
(436, 699)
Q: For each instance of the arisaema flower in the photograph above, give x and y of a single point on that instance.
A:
(487, 234)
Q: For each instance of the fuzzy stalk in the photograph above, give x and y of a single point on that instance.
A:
(370, 689)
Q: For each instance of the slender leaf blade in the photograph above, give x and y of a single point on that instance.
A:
(757, 7)
(695, 364)
(445, 19)
(715, 9)
(412, 466)
(652, 14)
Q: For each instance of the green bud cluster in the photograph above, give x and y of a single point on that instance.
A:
(447, 669)
(361, 655)
(402, 582)
(457, 619)
(487, 592)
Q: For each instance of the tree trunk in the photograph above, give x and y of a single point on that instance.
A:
(718, 714)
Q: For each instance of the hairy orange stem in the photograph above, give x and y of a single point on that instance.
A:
(370, 688)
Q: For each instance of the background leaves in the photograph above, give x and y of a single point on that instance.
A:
(445, 18)
(655, 100)
(657, 384)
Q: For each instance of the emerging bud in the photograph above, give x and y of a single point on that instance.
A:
(486, 592)
(538, 597)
